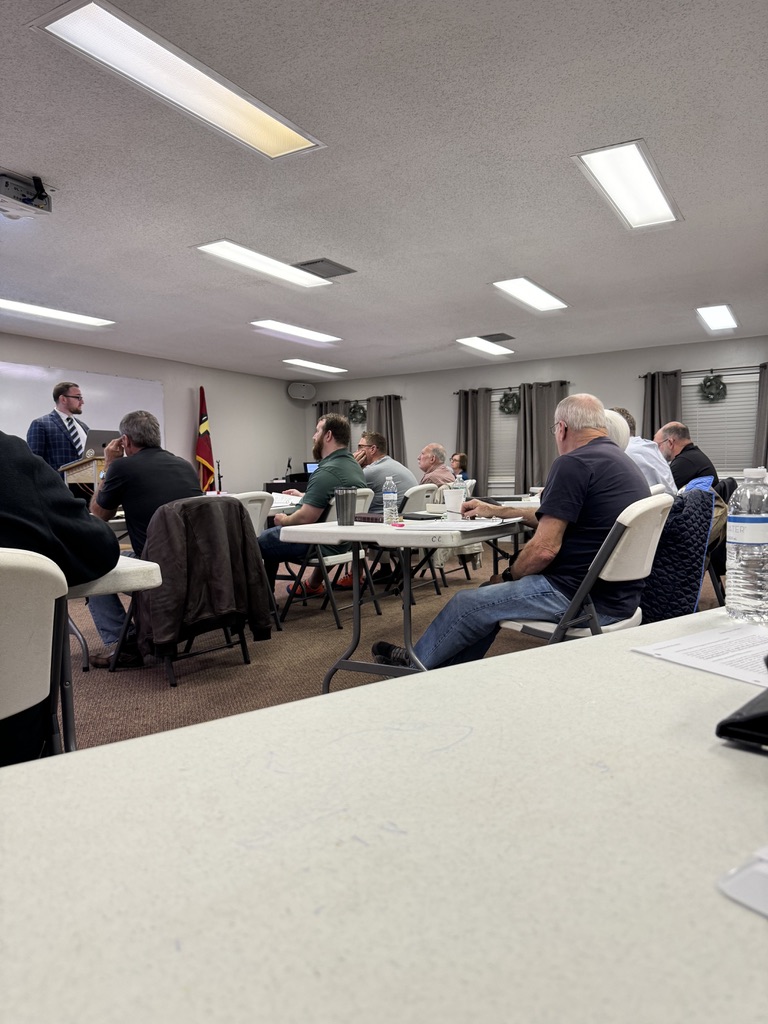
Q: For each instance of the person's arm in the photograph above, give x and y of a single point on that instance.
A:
(474, 507)
(112, 452)
(303, 516)
(36, 438)
(541, 549)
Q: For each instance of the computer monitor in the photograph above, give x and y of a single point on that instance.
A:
(310, 467)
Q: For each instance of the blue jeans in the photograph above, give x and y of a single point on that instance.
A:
(108, 614)
(467, 626)
(274, 551)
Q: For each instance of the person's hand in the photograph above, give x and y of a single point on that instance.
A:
(292, 490)
(280, 519)
(474, 508)
(360, 456)
(114, 450)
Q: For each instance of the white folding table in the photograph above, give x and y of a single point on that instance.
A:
(407, 538)
(535, 837)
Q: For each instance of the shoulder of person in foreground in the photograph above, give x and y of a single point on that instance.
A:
(38, 512)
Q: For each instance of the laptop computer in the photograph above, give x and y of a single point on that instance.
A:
(310, 467)
(96, 441)
(749, 724)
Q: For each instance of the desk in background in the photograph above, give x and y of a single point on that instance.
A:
(533, 838)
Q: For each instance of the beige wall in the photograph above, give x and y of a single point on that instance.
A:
(255, 426)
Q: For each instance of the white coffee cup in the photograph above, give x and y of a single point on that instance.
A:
(453, 497)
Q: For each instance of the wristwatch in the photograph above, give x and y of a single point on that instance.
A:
(507, 576)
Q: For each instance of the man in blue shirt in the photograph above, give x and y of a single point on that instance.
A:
(589, 485)
(337, 468)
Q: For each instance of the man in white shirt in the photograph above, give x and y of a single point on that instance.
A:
(647, 456)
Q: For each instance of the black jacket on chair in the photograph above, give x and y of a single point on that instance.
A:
(213, 575)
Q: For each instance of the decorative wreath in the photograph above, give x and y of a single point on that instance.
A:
(713, 389)
(357, 413)
(509, 403)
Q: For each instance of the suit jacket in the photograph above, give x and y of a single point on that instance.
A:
(49, 438)
(212, 572)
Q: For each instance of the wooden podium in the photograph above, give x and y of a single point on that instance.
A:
(83, 471)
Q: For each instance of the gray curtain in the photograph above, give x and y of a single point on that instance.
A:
(760, 455)
(342, 406)
(473, 434)
(536, 448)
(385, 416)
(662, 401)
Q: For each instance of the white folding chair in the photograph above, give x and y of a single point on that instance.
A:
(258, 504)
(627, 553)
(317, 560)
(33, 631)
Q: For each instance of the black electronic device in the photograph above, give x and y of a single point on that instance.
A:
(749, 724)
(310, 467)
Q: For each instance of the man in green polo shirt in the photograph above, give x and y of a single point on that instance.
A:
(337, 468)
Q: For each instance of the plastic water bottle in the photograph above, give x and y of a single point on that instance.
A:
(389, 494)
(746, 565)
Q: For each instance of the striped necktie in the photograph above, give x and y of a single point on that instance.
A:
(74, 434)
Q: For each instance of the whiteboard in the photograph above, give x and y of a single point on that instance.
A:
(27, 392)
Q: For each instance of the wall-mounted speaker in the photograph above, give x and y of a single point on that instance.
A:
(303, 391)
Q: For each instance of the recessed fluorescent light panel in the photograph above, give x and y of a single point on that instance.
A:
(53, 314)
(717, 318)
(530, 294)
(108, 36)
(292, 332)
(485, 346)
(314, 366)
(227, 250)
(627, 177)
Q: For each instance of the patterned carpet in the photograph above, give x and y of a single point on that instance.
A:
(291, 666)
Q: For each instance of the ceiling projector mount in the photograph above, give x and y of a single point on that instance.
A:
(22, 196)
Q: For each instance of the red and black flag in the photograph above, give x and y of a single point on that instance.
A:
(204, 449)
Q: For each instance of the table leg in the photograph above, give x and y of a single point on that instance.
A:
(67, 697)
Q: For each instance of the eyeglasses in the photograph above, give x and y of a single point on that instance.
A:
(366, 446)
(553, 428)
(81, 397)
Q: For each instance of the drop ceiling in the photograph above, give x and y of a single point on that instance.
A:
(449, 130)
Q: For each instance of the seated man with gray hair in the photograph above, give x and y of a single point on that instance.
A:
(589, 485)
(432, 465)
(141, 476)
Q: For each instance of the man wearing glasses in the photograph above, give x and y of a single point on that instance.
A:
(686, 461)
(59, 437)
(372, 455)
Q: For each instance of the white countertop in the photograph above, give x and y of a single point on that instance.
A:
(534, 838)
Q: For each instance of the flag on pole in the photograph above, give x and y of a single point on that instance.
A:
(204, 449)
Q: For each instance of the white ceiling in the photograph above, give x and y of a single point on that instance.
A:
(449, 130)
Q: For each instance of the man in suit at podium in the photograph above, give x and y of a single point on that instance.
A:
(59, 438)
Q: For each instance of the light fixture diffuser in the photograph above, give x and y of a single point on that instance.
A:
(483, 345)
(227, 250)
(627, 177)
(53, 314)
(112, 39)
(717, 318)
(314, 366)
(293, 332)
(530, 294)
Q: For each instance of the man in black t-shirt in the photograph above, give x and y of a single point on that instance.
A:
(145, 479)
(686, 461)
(589, 485)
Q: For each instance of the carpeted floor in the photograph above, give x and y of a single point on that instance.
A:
(291, 666)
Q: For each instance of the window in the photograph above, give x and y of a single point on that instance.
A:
(501, 471)
(725, 430)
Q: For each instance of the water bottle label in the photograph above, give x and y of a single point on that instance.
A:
(747, 530)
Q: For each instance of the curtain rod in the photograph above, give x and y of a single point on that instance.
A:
(320, 400)
(720, 373)
(514, 387)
